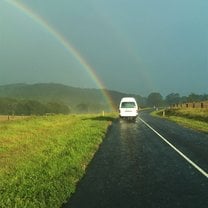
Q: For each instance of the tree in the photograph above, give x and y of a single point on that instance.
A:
(82, 108)
(194, 97)
(30, 107)
(155, 99)
(173, 98)
(57, 108)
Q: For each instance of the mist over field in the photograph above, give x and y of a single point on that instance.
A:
(135, 46)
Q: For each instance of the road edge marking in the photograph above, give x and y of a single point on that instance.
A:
(204, 173)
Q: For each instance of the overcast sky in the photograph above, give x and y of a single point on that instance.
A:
(135, 46)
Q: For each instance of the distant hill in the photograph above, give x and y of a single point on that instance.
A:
(76, 98)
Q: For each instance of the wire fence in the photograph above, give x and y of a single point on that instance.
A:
(203, 104)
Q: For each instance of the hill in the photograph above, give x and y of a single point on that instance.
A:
(77, 99)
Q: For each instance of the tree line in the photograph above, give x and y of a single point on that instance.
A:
(156, 99)
(10, 106)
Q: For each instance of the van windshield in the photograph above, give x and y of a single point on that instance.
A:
(128, 105)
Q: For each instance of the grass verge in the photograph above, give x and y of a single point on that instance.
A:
(196, 119)
(43, 158)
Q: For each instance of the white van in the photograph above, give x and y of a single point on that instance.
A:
(128, 108)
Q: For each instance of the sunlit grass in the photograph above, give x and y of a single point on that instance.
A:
(42, 158)
(190, 123)
(194, 118)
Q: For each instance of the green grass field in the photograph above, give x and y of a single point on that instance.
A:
(195, 118)
(43, 158)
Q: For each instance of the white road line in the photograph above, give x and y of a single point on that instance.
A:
(178, 151)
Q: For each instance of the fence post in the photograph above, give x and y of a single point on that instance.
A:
(163, 113)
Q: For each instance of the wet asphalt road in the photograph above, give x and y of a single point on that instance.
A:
(135, 168)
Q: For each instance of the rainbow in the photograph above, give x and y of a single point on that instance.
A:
(65, 43)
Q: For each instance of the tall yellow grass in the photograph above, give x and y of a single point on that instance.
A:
(11, 118)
